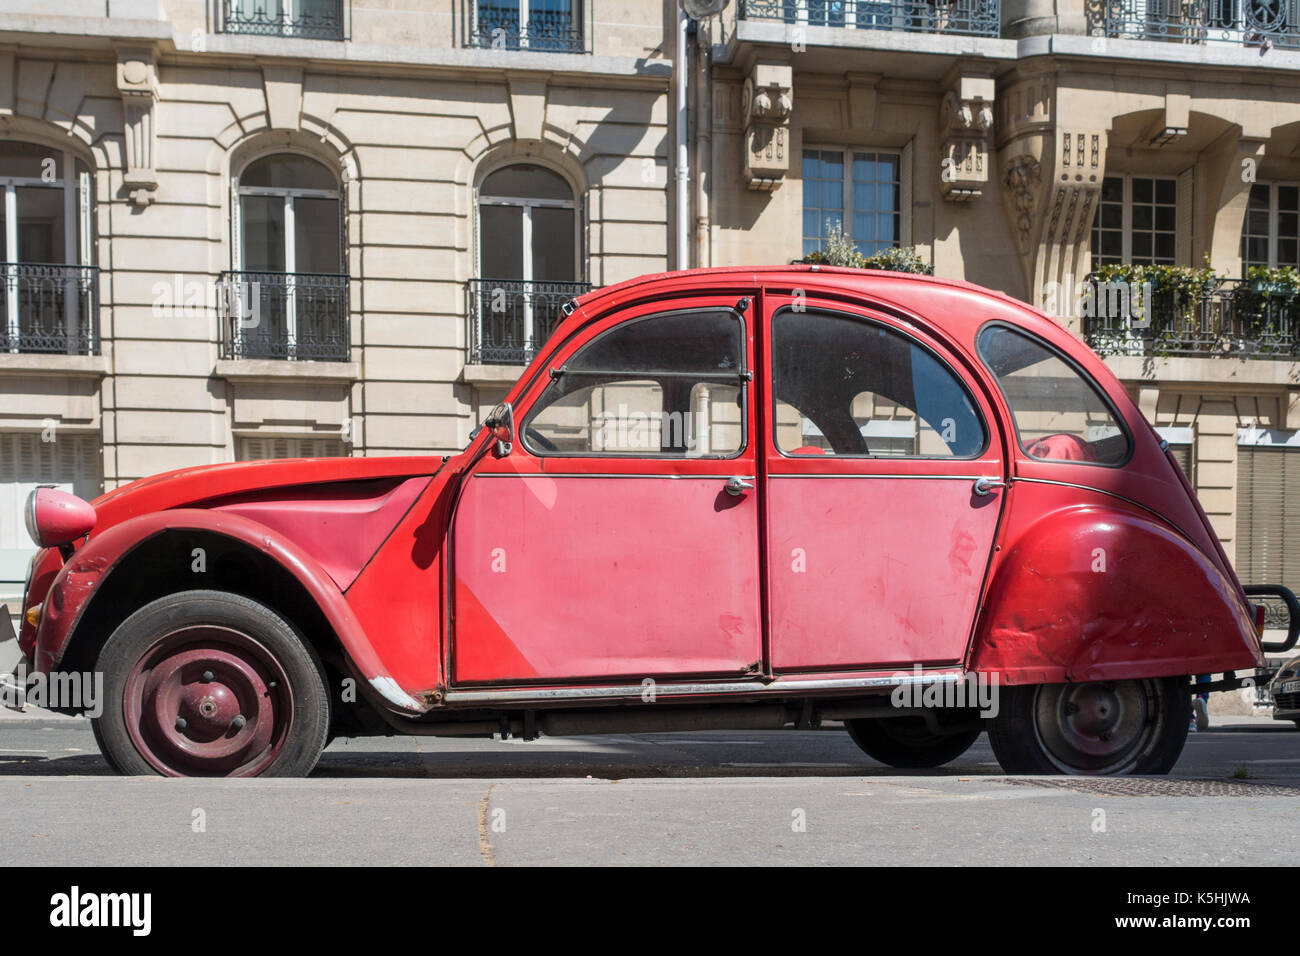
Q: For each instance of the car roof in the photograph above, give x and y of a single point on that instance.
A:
(918, 294)
(758, 274)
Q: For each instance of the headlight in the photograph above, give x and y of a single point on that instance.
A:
(56, 518)
(29, 518)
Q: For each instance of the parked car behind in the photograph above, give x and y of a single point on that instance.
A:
(1285, 691)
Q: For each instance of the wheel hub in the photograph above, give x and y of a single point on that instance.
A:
(208, 700)
(1096, 727)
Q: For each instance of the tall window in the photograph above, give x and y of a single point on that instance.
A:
(49, 294)
(856, 192)
(1270, 234)
(528, 261)
(1136, 222)
(288, 283)
(543, 25)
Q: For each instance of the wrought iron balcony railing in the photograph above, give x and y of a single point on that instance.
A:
(504, 27)
(510, 319)
(49, 308)
(284, 315)
(1242, 318)
(1233, 22)
(306, 19)
(968, 17)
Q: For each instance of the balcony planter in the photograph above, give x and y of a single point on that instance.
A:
(1199, 312)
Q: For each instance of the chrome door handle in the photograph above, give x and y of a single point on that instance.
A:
(737, 486)
(984, 486)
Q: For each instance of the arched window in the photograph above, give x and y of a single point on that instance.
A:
(528, 260)
(290, 293)
(45, 227)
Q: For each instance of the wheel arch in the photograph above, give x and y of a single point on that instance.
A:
(152, 555)
(1094, 592)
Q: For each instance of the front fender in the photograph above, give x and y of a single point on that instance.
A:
(1105, 592)
(81, 577)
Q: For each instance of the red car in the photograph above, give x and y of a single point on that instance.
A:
(727, 498)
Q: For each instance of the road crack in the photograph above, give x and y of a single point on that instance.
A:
(484, 844)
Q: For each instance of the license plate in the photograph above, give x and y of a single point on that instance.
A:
(1290, 687)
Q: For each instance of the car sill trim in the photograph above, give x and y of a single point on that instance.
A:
(779, 687)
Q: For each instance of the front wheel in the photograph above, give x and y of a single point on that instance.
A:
(907, 742)
(1102, 727)
(211, 684)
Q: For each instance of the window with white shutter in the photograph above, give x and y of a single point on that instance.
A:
(1268, 514)
(282, 446)
(70, 462)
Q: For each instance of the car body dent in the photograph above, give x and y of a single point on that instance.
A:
(1095, 589)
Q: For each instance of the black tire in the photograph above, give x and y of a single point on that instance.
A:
(235, 655)
(907, 742)
(1125, 727)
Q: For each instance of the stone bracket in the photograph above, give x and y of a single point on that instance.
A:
(966, 124)
(766, 104)
(137, 84)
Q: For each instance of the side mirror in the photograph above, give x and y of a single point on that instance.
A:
(501, 423)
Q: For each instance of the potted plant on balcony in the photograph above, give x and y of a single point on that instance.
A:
(1263, 303)
(840, 251)
(1173, 300)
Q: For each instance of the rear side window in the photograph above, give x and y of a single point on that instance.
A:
(1060, 415)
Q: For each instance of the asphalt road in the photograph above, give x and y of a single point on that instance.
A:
(742, 798)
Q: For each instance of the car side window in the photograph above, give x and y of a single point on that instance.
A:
(843, 385)
(663, 386)
(1060, 415)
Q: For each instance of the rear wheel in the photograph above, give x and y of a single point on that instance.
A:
(1102, 727)
(210, 684)
(908, 742)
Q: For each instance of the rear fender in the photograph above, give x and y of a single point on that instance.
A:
(1101, 592)
(92, 565)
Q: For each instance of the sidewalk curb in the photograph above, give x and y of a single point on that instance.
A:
(38, 715)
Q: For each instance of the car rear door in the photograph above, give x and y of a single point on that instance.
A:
(883, 477)
(607, 546)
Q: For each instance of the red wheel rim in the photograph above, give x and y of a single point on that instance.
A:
(208, 701)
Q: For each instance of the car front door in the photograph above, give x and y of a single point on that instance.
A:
(883, 492)
(618, 540)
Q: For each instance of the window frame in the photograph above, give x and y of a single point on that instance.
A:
(1088, 379)
(288, 194)
(1126, 222)
(238, 22)
(526, 228)
(903, 211)
(912, 340)
(1273, 236)
(78, 231)
(744, 377)
(477, 39)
